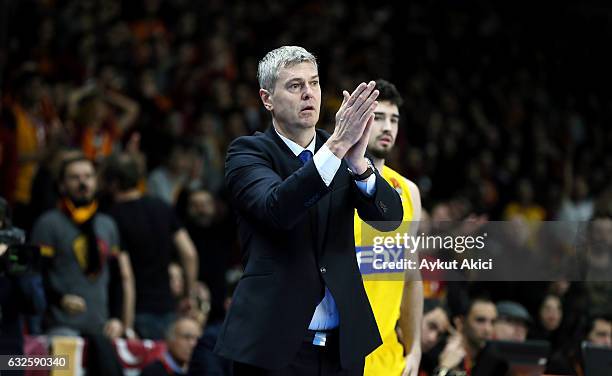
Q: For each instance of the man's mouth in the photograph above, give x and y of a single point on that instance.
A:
(385, 139)
(307, 108)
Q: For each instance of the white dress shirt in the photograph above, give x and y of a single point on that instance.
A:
(326, 314)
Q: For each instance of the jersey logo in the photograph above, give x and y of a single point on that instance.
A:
(385, 262)
(398, 188)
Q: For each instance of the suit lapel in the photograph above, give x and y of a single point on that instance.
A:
(271, 133)
(319, 215)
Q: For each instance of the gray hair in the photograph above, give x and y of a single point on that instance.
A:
(170, 333)
(171, 330)
(275, 60)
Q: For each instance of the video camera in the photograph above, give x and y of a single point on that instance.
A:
(19, 257)
(16, 257)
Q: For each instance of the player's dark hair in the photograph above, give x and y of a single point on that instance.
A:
(388, 92)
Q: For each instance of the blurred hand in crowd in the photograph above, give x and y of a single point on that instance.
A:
(113, 328)
(73, 304)
(453, 352)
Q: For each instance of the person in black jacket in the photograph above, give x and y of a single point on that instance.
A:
(300, 307)
(150, 233)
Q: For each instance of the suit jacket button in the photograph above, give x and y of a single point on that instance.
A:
(323, 270)
(382, 206)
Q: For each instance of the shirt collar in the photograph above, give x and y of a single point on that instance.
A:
(173, 364)
(295, 148)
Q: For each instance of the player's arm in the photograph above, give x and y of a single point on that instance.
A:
(411, 309)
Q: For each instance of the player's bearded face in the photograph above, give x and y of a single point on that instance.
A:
(384, 130)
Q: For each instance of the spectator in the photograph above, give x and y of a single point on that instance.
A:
(181, 337)
(198, 305)
(463, 350)
(525, 206)
(577, 204)
(550, 314)
(435, 324)
(207, 136)
(568, 360)
(98, 129)
(599, 331)
(599, 250)
(80, 244)
(181, 170)
(435, 327)
(512, 322)
(149, 232)
(29, 127)
(44, 190)
(198, 211)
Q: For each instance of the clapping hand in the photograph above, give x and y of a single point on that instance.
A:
(353, 122)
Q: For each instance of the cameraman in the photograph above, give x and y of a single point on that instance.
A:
(21, 289)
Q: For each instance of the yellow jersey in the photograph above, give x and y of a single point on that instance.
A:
(384, 288)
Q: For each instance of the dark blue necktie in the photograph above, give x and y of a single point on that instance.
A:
(305, 156)
(326, 314)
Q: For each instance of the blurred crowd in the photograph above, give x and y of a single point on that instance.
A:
(506, 117)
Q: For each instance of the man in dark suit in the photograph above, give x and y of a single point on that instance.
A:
(300, 307)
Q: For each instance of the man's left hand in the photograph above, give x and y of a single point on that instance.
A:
(413, 360)
(355, 156)
(113, 329)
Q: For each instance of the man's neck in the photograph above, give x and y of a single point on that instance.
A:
(301, 136)
(472, 352)
(79, 214)
(379, 163)
(174, 364)
(132, 194)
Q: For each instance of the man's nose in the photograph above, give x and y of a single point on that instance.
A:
(386, 125)
(433, 337)
(307, 93)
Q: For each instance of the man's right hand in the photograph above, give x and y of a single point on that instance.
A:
(73, 304)
(453, 352)
(352, 117)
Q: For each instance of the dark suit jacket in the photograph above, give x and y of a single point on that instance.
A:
(157, 368)
(297, 236)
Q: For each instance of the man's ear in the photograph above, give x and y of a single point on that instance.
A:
(265, 99)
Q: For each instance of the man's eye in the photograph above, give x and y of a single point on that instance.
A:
(295, 86)
(315, 83)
